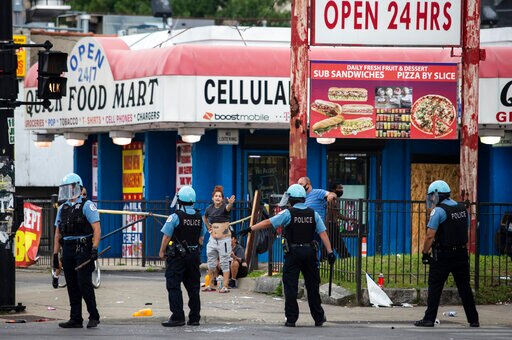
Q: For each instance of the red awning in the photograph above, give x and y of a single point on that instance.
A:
(498, 62)
(208, 60)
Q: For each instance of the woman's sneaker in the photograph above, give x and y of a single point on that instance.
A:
(232, 283)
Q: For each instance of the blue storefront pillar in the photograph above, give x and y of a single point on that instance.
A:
(500, 166)
(317, 165)
(160, 165)
(396, 183)
(213, 164)
(82, 160)
(110, 170)
(110, 188)
(495, 187)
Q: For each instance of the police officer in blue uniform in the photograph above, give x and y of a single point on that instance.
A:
(181, 244)
(300, 225)
(447, 236)
(78, 232)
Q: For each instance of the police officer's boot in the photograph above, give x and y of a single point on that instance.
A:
(173, 323)
(321, 322)
(424, 323)
(93, 323)
(71, 324)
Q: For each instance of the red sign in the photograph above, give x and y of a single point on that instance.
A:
(383, 100)
(183, 164)
(28, 236)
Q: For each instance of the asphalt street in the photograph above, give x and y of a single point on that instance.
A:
(240, 313)
(49, 330)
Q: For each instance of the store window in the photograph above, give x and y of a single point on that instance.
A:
(351, 170)
(268, 174)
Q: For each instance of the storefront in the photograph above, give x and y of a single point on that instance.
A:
(234, 99)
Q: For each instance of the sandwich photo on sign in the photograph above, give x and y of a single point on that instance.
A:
(354, 126)
(357, 109)
(326, 108)
(348, 94)
(326, 125)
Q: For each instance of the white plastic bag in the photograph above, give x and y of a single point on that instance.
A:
(377, 296)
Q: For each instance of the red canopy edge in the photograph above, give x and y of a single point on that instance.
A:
(257, 61)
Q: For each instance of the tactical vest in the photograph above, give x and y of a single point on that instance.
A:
(454, 230)
(73, 221)
(301, 229)
(189, 228)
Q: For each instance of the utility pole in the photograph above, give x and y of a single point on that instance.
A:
(471, 56)
(9, 211)
(298, 90)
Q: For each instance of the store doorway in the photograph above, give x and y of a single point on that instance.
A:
(350, 170)
(267, 173)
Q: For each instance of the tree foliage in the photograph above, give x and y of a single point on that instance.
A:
(245, 12)
(121, 7)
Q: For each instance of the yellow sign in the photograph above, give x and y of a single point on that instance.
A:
(133, 175)
(22, 55)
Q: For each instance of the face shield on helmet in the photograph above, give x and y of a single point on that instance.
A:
(432, 200)
(294, 191)
(70, 188)
(435, 189)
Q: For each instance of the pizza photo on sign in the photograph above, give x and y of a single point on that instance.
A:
(433, 115)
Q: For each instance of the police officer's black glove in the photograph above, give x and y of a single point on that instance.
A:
(426, 258)
(94, 254)
(331, 258)
(56, 263)
(244, 232)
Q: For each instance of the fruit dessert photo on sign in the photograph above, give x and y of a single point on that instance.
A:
(383, 100)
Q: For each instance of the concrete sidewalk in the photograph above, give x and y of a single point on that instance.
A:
(119, 297)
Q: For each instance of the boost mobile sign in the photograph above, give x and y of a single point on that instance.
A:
(243, 100)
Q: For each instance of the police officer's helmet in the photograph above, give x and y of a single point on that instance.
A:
(296, 191)
(70, 188)
(186, 195)
(295, 194)
(72, 178)
(439, 187)
(438, 191)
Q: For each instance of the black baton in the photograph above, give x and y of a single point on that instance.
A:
(331, 270)
(89, 260)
